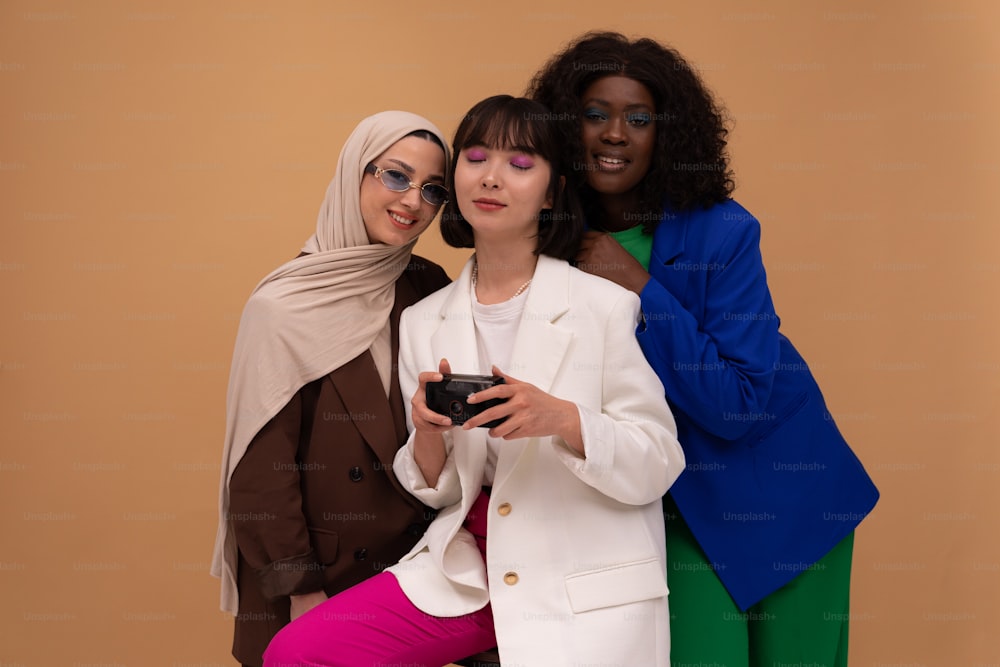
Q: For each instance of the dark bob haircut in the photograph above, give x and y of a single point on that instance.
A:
(511, 123)
(690, 166)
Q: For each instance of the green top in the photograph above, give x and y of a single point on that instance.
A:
(637, 244)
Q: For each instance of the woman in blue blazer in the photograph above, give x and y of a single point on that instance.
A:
(760, 524)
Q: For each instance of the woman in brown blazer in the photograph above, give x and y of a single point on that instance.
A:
(309, 504)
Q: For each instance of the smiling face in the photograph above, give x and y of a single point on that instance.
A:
(619, 134)
(396, 218)
(501, 192)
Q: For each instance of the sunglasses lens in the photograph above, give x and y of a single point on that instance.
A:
(399, 181)
(395, 180)
(434, 195)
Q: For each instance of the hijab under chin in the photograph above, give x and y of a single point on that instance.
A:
(313, 314)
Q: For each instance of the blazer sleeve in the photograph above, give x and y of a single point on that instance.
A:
(266, 508)
(632, 453)
(448, 490)
(718, 367)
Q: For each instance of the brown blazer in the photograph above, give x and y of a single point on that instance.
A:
(314, 502)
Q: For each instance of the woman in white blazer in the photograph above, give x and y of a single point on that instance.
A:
(566, 490)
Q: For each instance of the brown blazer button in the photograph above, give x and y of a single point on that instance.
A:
(361, 554)
(355, 474)
(510, 578)
(504, 509)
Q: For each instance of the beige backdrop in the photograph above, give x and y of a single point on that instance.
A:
(158, 158)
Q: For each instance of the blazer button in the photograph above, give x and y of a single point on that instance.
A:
(510, 578)
(361, 554)
(504, 509)
(356, 474)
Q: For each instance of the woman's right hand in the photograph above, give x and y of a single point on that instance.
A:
(429, 426)
(300, 604)
(426, 420)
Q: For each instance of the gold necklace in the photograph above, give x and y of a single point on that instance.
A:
(475, 279)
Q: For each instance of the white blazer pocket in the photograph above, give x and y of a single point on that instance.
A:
(617, 585)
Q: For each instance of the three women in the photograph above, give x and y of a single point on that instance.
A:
(549, 536)
(760, 526)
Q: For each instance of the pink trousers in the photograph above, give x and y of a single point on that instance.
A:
(375, 624)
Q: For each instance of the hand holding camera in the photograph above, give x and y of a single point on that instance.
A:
(519, 409)
(450, 397)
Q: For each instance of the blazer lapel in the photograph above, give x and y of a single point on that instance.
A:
(669, 238)
(455, 337)
(666, 261)
(455, 340)
(540, 345)
(380, 420)
(360, 388)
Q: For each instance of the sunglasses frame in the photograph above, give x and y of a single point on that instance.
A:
(377, 172)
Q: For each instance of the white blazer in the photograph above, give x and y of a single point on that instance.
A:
(576, 558)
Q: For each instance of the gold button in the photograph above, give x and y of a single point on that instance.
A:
(504, 509)
(510, 578)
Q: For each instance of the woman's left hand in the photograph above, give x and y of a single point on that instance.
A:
(601, 255)
(529, 412)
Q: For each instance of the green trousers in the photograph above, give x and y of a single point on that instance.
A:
(803, 624)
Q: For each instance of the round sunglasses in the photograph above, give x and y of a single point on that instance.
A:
(398, 181)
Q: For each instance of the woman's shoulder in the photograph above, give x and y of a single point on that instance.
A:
(418, 264)
(433, 300)
(265, 301)
(599, 293)
(720, 224)
(422, 272)
(584, 280)
(726, 214)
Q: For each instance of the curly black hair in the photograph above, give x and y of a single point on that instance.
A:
(690, 166)
(519, 124)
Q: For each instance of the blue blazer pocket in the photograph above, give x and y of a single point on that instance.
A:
(770, 423)
(616, 585)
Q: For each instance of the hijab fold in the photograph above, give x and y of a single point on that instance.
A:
(311, 315)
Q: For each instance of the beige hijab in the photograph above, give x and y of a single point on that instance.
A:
(311, 315)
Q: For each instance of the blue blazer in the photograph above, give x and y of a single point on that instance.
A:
(770, 484)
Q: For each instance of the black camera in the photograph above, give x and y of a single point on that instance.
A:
(448, 397)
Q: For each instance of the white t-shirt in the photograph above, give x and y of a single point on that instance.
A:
(496, 326)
